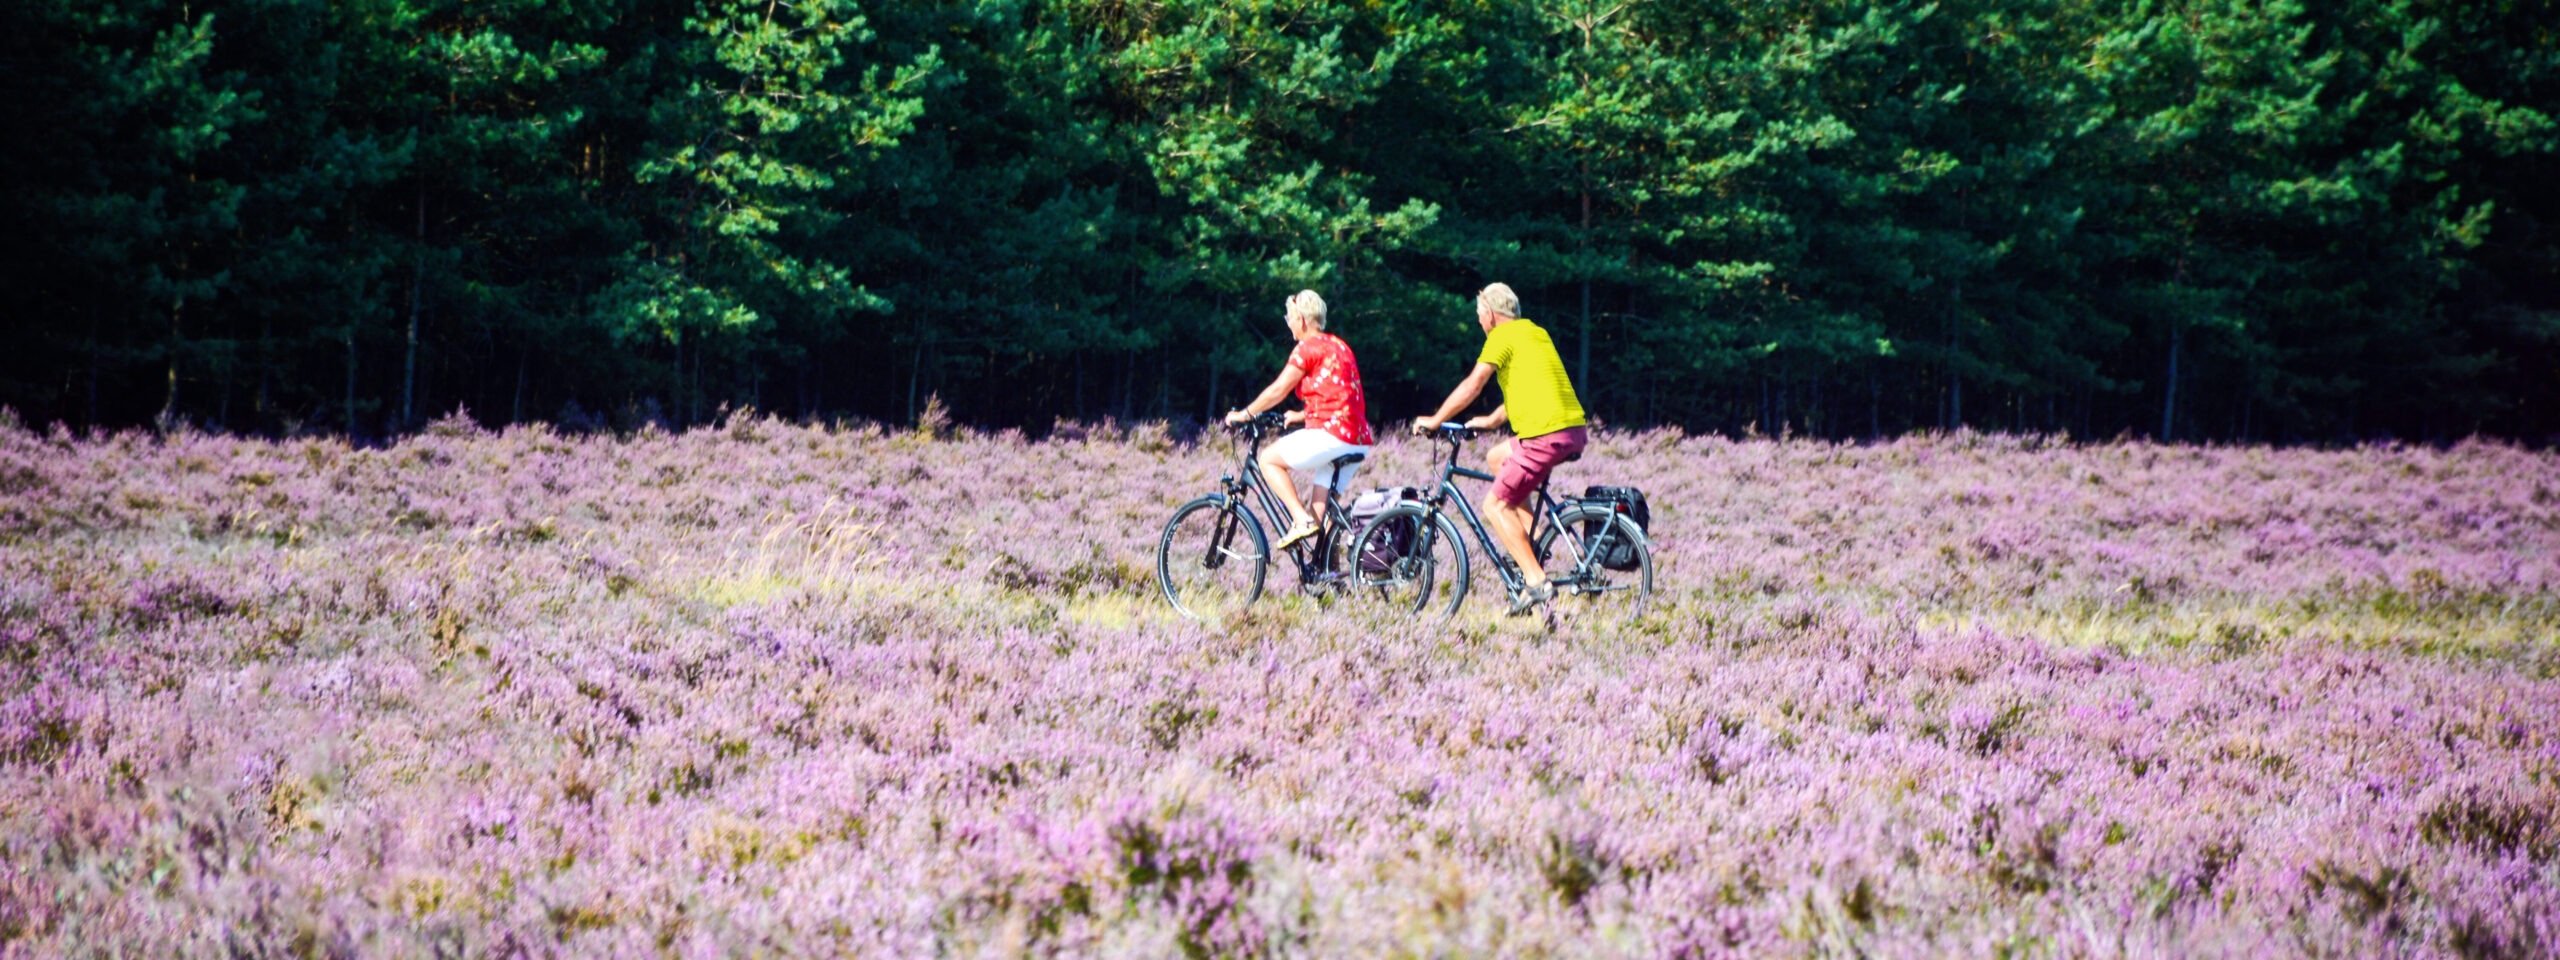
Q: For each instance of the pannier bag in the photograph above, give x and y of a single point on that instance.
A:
(1629, 501)
(1378, 557)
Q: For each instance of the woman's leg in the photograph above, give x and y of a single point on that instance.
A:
(1275, 471)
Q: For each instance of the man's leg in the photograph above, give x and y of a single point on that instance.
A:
(1510, 523)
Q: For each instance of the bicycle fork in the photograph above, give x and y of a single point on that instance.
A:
(1227, 529)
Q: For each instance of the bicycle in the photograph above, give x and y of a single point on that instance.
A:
(1431, 574)
(1213, 556)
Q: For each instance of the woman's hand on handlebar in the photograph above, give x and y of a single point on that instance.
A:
(1269, 418)
(1293, 418)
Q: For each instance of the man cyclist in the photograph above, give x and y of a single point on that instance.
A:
(1325, 376)
(1546, 420)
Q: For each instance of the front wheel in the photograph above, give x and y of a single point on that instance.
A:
(1211, 559)
(1410, 558)
(1601, 565)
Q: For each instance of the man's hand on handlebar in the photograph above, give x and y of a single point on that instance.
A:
(1429, 426)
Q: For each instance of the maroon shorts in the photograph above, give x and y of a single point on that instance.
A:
(1532, 458)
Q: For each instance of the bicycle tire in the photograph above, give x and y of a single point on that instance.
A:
(1191, 541)
(1590, 590)
(1430, 579)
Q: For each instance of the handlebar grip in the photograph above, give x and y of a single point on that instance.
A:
(1265, 420)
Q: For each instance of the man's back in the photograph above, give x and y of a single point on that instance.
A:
(1536, 394)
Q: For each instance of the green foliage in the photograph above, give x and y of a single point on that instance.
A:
(2198, 219)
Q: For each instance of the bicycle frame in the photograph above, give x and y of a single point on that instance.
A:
(1249, 478)
(1548, 512)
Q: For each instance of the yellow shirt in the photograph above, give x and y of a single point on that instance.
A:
(1535, 392)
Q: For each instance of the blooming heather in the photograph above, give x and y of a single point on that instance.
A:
(780, 690)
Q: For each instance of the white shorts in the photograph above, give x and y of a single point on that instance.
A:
(1310, 452)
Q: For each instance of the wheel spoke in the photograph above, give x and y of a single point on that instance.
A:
(1223, 560)
(1579, 552)
(1427, 575)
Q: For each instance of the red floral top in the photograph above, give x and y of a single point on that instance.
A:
(1331, 389)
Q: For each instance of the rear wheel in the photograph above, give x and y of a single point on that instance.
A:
(1211, 559)
(1579, 556)
(1427, 574)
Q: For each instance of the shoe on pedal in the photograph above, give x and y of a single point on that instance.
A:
(1523, 601)
(1296, 533)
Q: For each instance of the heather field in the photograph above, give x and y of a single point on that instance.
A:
(778, 690)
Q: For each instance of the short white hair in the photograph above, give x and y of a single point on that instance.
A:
(1498, 298)
(1307, 306)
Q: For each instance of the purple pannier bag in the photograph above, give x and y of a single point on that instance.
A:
(1378, 557)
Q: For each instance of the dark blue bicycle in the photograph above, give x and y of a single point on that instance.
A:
(1414, 555)
(1214, 553)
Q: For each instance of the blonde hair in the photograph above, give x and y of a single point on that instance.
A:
(1307, 306)
(1499, 299)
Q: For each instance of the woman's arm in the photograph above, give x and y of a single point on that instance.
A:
(1271, 395)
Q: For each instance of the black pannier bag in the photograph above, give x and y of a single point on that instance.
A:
(1629, 502)
(1378, 557)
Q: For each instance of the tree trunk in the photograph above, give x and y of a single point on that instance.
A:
(1128, 385)
(409, 357)
(96, 352)
(915, 372)
(351, 380)
(1875, 406)
(1582, 369)
(1212, 355)
(266, 362)
(177, 341)
(1955, 350)
(222, 401)
(2169, 403)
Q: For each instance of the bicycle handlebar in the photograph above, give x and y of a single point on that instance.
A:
(1261, 422)
(1454, 432)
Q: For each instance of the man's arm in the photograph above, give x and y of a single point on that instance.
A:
(1458, 398)
(1501, 415)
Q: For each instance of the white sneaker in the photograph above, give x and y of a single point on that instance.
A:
(1531, 597)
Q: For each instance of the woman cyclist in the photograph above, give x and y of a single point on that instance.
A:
(1324, 375)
